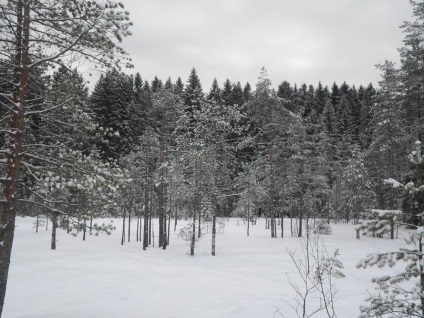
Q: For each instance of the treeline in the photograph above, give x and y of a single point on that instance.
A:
(143, 148)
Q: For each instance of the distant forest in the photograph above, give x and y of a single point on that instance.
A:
(175, 148)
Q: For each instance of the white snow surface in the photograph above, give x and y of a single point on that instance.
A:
(246, 279)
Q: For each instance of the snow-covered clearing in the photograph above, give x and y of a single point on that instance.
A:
(247, 279)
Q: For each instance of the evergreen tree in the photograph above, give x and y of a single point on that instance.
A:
(156, 85)
(348, 125)
(226, 93)
(320, 97)
(179, 87)
(395, 298)
(412, 54)
(109, 105)
(215, 92)
(85, 30)
(247, 91)
(237, 97)
(193, 93)
(389, 135)
(168, 84)
(355, 187)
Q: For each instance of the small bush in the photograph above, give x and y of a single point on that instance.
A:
(322, 228)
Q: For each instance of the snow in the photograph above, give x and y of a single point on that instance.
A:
(393, 183)
(383, 213)
(247, 279)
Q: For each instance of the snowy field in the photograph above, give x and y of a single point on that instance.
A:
(247, 278)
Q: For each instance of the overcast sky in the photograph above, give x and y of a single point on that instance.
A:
(296, 40)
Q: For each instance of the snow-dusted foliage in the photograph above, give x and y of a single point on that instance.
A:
(355, 187)
(379, 222)
(394, 297)
(322, 228)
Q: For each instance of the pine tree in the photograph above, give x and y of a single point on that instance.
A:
(413, 70)
(86, 30)
(389, 135)
(394, 298)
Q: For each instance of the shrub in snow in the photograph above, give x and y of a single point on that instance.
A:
(379, 222)
(323, 228)
(317, 269)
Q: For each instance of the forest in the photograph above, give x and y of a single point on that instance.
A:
(169, 149)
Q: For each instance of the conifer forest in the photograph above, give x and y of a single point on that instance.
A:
(169, 160)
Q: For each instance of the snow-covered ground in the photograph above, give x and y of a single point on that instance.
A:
(246, 279)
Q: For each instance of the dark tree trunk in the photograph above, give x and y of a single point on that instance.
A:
(248, 218)
(176, 217)
(84, 229)
(54, 227)
(14, 144)
(282, 225)
(199, 233)
(129, 224)
(146, 239)
(300, 222)
(193, 236)
(214, 234)
(123, 228)
(151, 234)
(169, 228)
(137, 227)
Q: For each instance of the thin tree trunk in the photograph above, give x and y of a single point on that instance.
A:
(123, 228)
(137, 227)
(146, 210)
(169, 228)
(300, 221)
(84, 229)
(91, 224)
(199, 234)
(169, 213)
(214, 234)
(151, 234)
(248, 218)
(176, 217)
(193, 236)
(54, 226)
(129, 223)
(282, 225)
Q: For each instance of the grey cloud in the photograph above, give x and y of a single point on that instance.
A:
(297, 41)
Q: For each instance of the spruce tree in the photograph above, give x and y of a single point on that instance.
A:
(215, 92)
(193, 92)
(247, 91)
(109, 105)
(226, 93)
